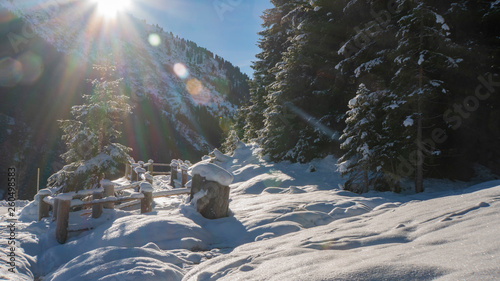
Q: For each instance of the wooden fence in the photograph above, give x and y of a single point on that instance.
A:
(145, 171)
(104, 197)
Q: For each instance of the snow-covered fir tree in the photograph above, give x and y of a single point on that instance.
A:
(424, 52)
(231, 142)
(409, 52)
(281, 131)
(91, 135)
(273, 43)
(303, 103)
(361, 141)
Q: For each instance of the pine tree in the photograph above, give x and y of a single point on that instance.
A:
(90, 136)
(367, 62)
(231, 142)
(273, 43)
(301, 108)
(298, 98)
(361, 141)
(281, 130)
(424, 52)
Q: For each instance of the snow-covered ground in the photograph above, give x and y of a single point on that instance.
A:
(288, 222)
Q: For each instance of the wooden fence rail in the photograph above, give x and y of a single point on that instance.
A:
(104, 197)
(132, 171)
(63, 203)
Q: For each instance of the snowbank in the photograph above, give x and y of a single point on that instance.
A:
(121, 263)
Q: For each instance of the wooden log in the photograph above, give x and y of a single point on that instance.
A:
(161, 165)
(96, 208)
(162, 173)
(107, 200)
(168, 193)
(134, 185)
(196, 184)
(62, 218)
(43, 208)
(109, 191)
(212, 201)
(147, 201)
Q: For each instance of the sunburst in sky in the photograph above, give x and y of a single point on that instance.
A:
(110, 8)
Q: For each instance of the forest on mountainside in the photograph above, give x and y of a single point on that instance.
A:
(396, 89)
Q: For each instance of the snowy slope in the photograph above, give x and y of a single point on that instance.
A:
(287, 223)
(147, 69)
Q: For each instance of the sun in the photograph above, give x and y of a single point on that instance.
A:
(110, 8)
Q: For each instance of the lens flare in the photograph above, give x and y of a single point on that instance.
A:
(32, 67)
(154, 39)
(11, 72)
(181, 71)
(194, 87)
(199, 93)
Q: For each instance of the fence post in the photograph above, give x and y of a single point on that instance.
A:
(132, 170)
(150, 167)
(109, 191)
(139, 171)
(127, 171)
(62, 218)
(173, 173)
(96, 208)
(184, 175)
(149, 178)
(43, 208)
(147, 201)
(55, 209)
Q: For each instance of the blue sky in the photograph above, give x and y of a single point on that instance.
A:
(226, 27)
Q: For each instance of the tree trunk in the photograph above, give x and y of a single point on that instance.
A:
(419, 174)
(214, 204)
(366, 187)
